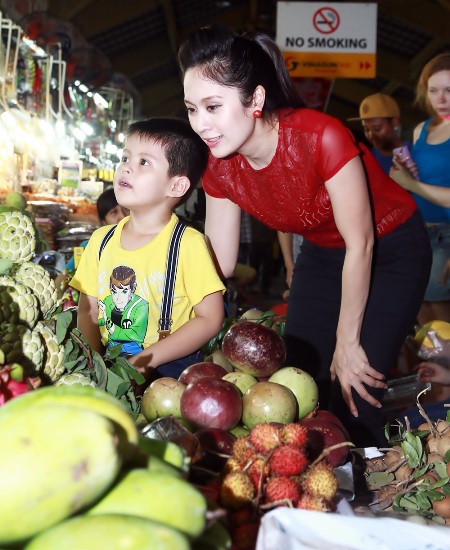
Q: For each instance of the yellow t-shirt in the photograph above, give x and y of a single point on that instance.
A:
(129, 283)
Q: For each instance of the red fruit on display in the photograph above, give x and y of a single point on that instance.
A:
(288, 460)
(12, 383)
(282, 488)
(268, 402)
(204, 369)
(328, 415)
(211, 403)
(294, 434)
(265, 437)
(322, 434)
(254, 349)
(302, 385)
(162, 398)
(214, 442)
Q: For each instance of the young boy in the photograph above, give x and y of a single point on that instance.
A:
(122, 290)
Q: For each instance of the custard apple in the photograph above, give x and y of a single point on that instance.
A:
(39, 280)
(53, 352)
(75, 379)
(22, 345)
(18, 304)
(17, 236)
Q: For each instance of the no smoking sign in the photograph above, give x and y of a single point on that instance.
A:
(326, 20)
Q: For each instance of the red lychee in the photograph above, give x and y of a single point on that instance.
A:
(321, 481)
(244, 536)
(236, 490)
(288, 460)
(232, 465)
(265, 437)
(282, 488)
(295, 434)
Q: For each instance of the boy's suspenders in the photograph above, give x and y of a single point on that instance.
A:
(165, 320)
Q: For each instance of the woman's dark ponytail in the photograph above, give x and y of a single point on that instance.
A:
(241, 62)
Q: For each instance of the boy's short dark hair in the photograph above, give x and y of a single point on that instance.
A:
(185, 151)
(106, 202)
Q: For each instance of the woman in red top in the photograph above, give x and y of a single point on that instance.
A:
(364, 263)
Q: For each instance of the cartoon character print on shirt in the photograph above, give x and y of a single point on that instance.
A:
(124, 313)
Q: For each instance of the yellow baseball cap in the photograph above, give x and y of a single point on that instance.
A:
(378, 106)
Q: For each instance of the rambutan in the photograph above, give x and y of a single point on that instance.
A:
(288, 460)
(243, 451)
(321, 481)
(295, 434)
(282, 488)
(314, 503)
(265, 437)
(236, 490)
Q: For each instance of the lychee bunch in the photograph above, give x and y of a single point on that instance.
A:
(270, 467)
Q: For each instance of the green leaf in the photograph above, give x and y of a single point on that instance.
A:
(113, 351)
(130, 370)
(411, 452)
(434, 495)
(101, 372)
(122, 389)
(448, 416)
(423, 502)
(409, 502)
(420, 471)
(441, 468)
(113, 383)
(439, 483)
(379, 479)
(447, 457)
(446, 490)
(63, 322)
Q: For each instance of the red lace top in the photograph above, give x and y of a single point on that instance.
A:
(290, 195)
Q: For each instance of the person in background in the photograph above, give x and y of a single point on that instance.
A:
(297, 170)
(109, 212)
(431, 154)
(380, 117)
(121, 292)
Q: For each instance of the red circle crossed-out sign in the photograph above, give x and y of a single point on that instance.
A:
(326, 20)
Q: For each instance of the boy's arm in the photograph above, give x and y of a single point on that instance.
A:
(87, 321)
(433, 372)
(188, 338)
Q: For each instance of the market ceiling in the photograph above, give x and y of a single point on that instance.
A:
(140, 39)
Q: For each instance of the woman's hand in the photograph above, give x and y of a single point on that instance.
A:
(351, 366)
(402, 176)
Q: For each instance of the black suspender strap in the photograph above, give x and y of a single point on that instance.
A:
(105, 240)
(165, 321)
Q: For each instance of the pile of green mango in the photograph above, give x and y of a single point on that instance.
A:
(76, 474)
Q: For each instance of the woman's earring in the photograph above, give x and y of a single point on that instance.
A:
(257, 113)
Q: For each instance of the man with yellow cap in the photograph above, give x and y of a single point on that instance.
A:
(380, 117)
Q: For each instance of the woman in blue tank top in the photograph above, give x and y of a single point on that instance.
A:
(431, 154)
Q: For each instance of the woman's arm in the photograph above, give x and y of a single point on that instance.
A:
(286, 244)
(187, 339)
(87, 321)
(349, 198)
(222, 227)
(433, 193)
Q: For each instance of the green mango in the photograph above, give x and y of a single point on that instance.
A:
(156, 496)
(109, 532)
(54, 461)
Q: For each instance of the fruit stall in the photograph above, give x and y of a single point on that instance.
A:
(235, 454)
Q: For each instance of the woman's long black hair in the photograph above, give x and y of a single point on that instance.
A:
(241, 62)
